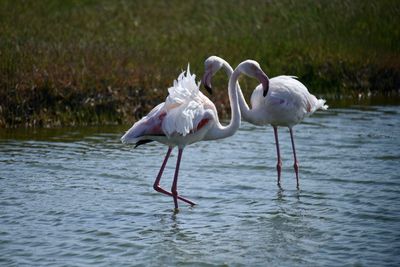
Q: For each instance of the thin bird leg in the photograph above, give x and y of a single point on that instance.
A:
(279, 162)
(174, 188)
(296, 163)
(156, 185)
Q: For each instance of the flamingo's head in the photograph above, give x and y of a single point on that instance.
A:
(252, 68)
(211, 66)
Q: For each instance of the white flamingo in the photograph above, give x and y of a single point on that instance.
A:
(286, 103)
(188, 116)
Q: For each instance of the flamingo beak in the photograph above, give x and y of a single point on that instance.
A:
(263, 78)
(206, 81)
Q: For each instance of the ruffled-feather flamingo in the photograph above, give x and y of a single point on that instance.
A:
(286, 103)
(188, 116)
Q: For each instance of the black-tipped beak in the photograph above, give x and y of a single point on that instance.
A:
(208, 88)
(265, 88)
(207, 83)
(264, 82)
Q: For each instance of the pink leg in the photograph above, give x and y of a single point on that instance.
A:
(156, 185)
(279, 162)
(296, 163)
(174, 188)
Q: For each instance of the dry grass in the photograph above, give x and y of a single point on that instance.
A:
(96, 62)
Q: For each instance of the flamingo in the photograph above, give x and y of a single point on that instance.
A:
(286, 103)
(188, 116)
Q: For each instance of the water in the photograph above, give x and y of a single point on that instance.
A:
(78, 197)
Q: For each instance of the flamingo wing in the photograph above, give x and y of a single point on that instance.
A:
(184, 111)
(287, 93)
(277, 98)
(290, 100)
(149, 125)
(300, 96)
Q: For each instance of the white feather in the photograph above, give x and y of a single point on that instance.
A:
(184, 104)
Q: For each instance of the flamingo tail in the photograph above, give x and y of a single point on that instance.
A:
(134, 134)
(316, 104)
(142, 142)
(321, 104)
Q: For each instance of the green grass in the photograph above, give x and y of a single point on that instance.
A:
(96, 62)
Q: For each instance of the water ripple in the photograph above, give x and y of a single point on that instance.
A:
(78, 196)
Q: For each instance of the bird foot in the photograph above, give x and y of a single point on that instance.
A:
(279, 185)
(161, 190)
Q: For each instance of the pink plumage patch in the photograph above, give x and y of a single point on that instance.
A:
(156, 129)
(162, 116)
(202, 123)
(308, 107)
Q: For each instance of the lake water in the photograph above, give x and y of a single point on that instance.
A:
(78, 197)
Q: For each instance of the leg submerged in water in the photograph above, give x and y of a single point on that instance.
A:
(156, 184)
(278, 153)
(296, 163)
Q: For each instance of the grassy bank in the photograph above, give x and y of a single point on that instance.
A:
(96, 62)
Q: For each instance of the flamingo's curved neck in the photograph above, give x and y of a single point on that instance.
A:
(246, 112)
(226, 131)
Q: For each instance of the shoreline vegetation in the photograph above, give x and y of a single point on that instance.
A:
(70, 63)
